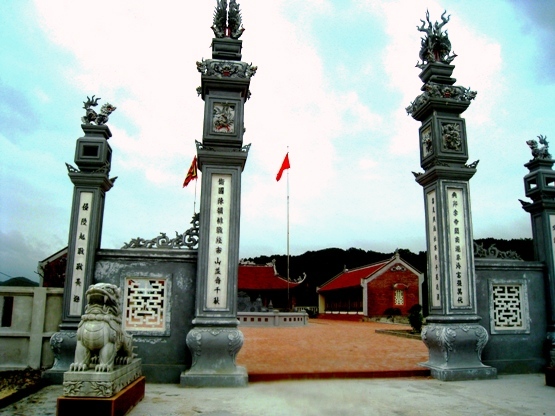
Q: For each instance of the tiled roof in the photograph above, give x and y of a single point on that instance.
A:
(352, 278)
(254, 277)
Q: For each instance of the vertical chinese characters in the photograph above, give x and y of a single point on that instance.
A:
(82, 234)
(434, 250)
(216, 296)
(459, 266)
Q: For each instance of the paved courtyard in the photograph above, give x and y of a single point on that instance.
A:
(312, 363)
(330, 348)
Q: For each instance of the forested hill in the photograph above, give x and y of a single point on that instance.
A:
(320, 266)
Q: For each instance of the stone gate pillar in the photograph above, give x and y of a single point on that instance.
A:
(454, 338)
(215, 339)
(539, 186)
(91, 181)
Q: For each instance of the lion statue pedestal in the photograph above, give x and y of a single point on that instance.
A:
(104, 362)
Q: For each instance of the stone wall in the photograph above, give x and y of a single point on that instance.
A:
(511, 301)
(30, 315)
(158, 304)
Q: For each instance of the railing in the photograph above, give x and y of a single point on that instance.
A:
(309, 309)
(272, 319)
(30, 315)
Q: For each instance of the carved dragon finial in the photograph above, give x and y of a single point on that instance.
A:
(435, 45)
(537, 151)
(91, 116)
(227, 23)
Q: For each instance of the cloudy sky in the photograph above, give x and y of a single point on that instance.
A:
(334, 78)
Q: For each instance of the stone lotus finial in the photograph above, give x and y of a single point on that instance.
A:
(435, 45)
(227, 23)
(91, 116)
(537, 151)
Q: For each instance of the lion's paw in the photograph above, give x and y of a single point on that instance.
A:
(103, 368)
(78, 367)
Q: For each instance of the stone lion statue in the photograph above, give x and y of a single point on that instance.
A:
(100, 336)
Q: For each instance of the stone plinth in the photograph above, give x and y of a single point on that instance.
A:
(117, 405)
(455, 351)
(101, 384)
(210, 367)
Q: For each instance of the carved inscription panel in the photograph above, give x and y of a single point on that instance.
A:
(433, 248)
(459, 269)
(82, 235)
(218, 247)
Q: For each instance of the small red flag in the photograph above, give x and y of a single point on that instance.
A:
(284, 165)
(192, 173)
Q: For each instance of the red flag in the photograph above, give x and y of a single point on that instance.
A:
(192, 173)
(284, 165)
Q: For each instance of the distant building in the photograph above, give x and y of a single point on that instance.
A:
(52, 269)
(258, 285)
(373, 290)
(262, 283)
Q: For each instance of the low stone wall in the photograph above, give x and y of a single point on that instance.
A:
(158, 302)
(272, 319)
(30, 315)
(511, 301)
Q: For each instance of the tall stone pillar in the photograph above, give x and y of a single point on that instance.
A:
(453, 335)
(215, 339)
(539, 186)
(93, 156)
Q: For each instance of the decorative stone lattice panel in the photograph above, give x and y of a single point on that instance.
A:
(145, 304)
(509, 308)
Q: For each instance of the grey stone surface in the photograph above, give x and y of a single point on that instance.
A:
(214, 340)
(539, 185)
(509, 395)
(513, 351)
(164, 354)
(214, 352)
(101, 384)
(453, 335)
(93, 157)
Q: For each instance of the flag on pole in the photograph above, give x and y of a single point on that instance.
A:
(284, 165)
(192, 173)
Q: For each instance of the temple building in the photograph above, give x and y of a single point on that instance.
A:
(260, 286)
(383, 288)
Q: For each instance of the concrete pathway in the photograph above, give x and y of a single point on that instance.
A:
(513, 395)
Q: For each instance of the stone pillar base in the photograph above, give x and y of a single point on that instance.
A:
(461, 374)
(237, 378)
(455, 351)
(63, 345)
(214, 350)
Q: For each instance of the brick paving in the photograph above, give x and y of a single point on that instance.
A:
(330, 349)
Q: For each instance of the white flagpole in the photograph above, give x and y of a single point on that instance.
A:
(288, 302)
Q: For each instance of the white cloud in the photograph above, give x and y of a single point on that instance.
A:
(351, 144)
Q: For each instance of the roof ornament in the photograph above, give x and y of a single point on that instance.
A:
(435, 45)
(227, 23)
(539, 152)
(91, 116)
